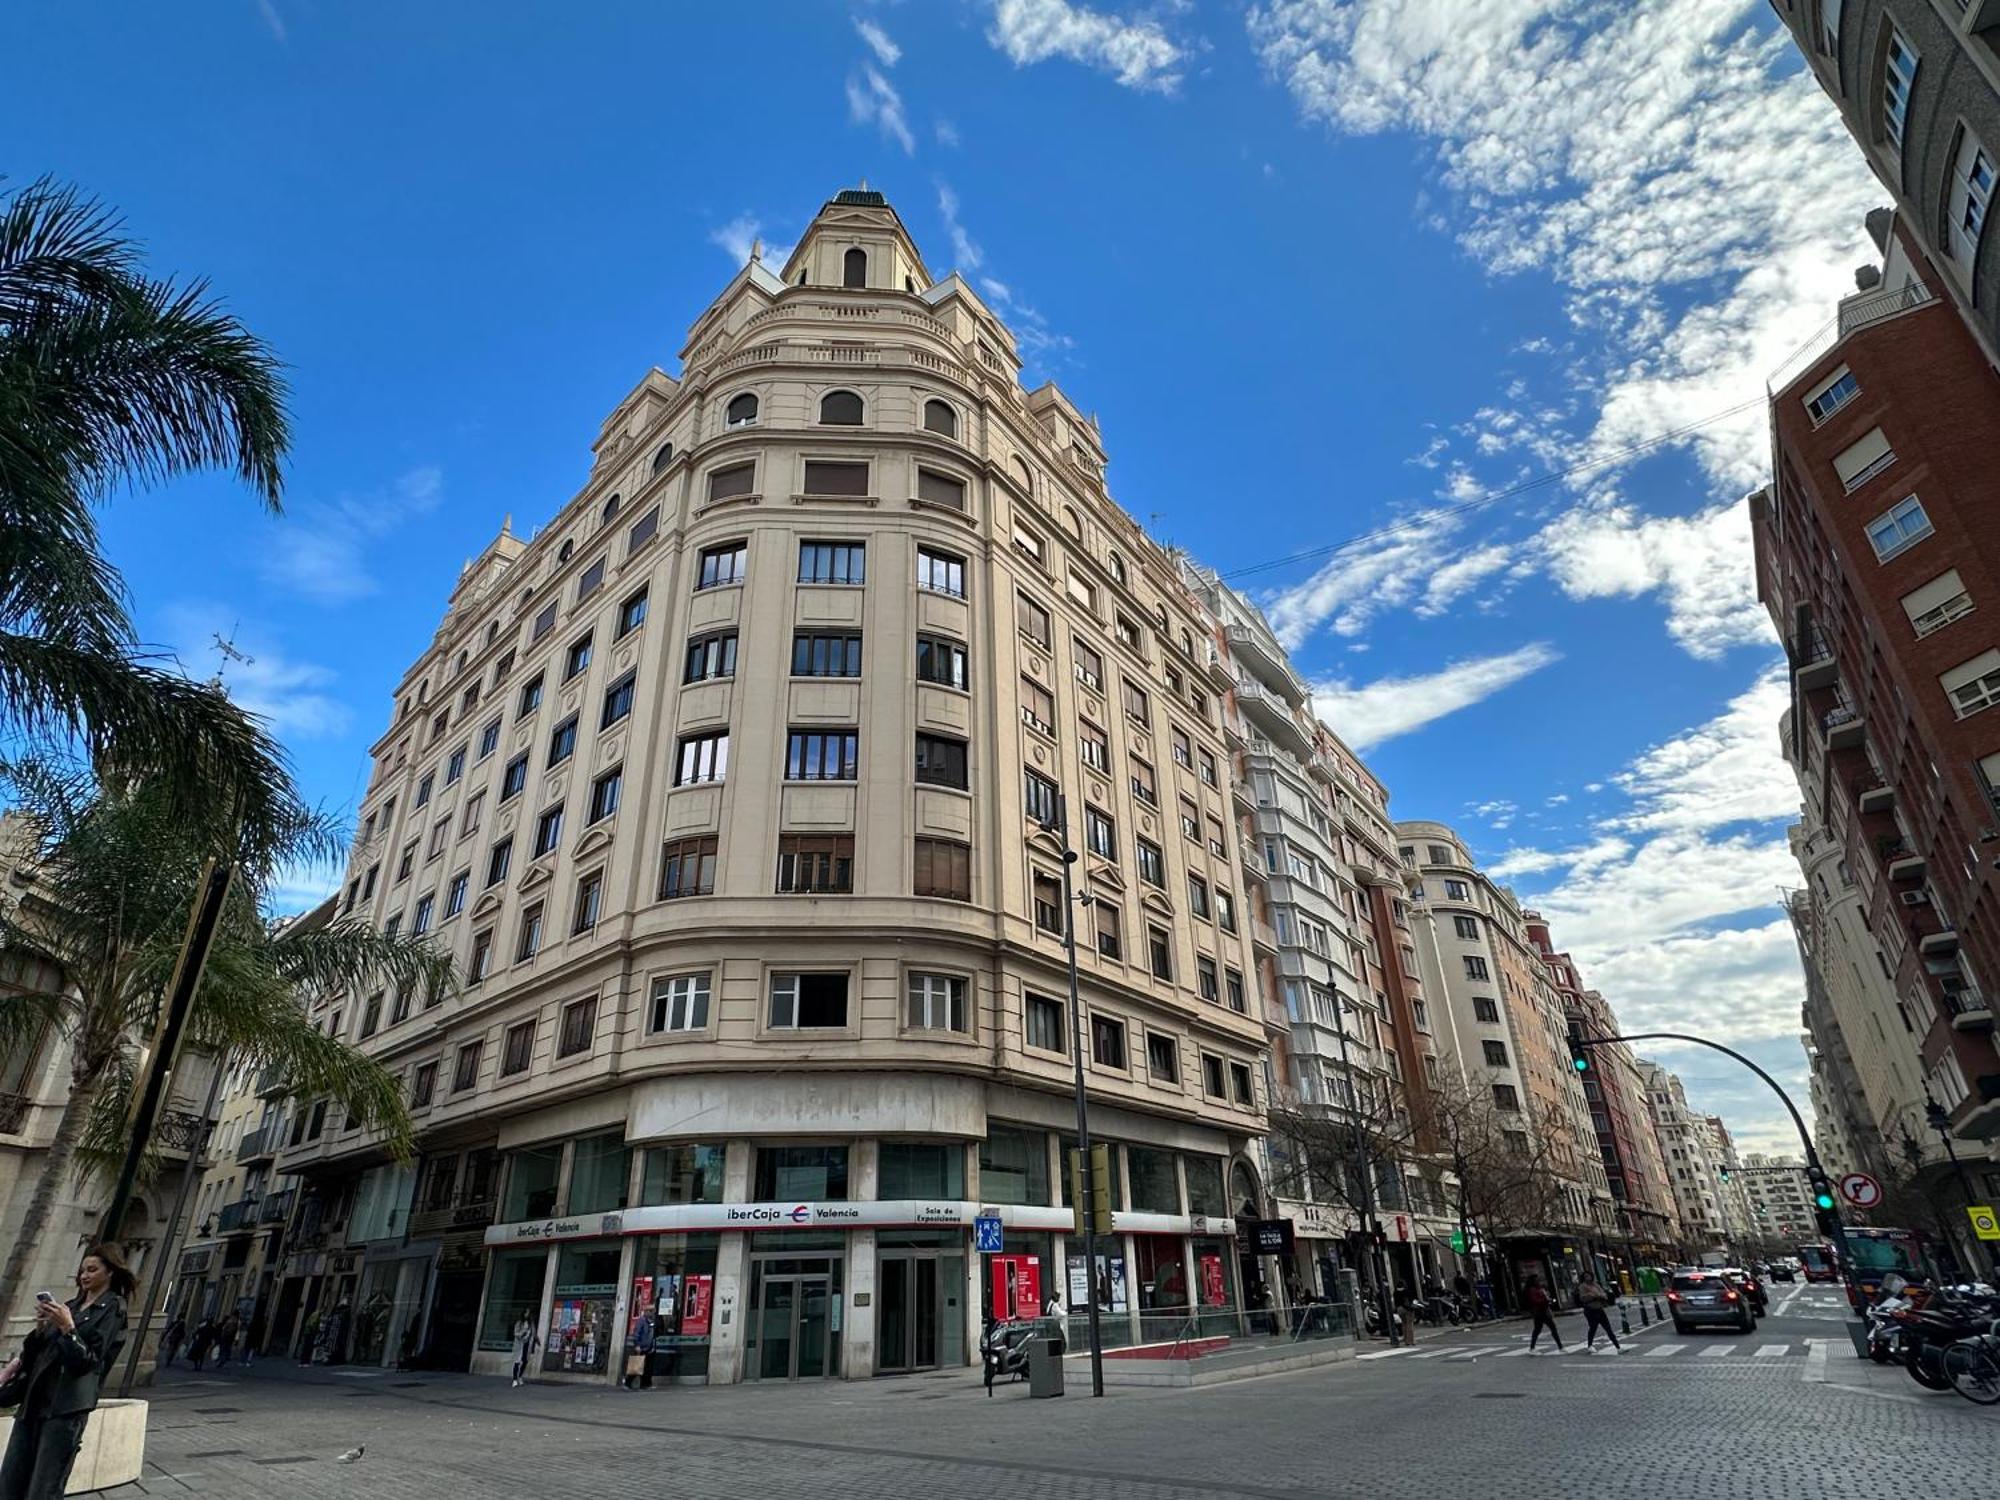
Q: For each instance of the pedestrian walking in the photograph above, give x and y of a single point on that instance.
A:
(308, 1341)
(203, 1341)
(1596, 1300)
(253, 1341)
(524, 1347)
(55, 1380)
(171, 1341)
(225, 1339)
(639, 1360)
(1542, 1311)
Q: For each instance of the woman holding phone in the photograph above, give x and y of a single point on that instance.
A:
(55, 1379)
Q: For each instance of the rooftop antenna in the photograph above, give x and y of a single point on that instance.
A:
(228, 651)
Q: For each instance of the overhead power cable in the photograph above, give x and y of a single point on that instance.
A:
(1433, 517)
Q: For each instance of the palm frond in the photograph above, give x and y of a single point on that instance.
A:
(352, 955)
(57, 245)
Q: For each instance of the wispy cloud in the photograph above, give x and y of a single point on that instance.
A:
(1039, 344)
(879, 42)
(946, 132)
(1136, 52)
(741, 234)
(273, 22)
(873, 100)
(1368, 714)
(321, 551)
(966, 254)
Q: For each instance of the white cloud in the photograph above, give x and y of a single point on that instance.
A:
(966, 255)
(291, 696)
(879, 42)
(1729, 770)
(1593, 141)
(1038, 343)
(1136, 52)
(744, 233)
(873, 100)
(272, 20)
(321, 550)
(946, 132)
(1368, 714)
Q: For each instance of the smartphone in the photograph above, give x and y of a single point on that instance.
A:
(43, 1297)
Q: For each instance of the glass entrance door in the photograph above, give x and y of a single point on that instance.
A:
(793, 1325)
(909, 1322)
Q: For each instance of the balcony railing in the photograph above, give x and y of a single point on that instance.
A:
(238, 1216)
(14, 1112)
(179, 1130)
(259, 1144)
(1854, 314)
(1813, 663)
(278, 1206)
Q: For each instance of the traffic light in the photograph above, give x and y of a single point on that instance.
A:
(1823, 1199)
(1579, 1055)
(1723, 1173)
(1099, 1206)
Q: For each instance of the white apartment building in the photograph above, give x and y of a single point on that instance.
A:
(1732, 1194)
(1780, 1199)
(1691, 1165)
(727, 788)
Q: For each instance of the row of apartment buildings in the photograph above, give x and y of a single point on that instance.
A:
(1878, 556)
(741, 793)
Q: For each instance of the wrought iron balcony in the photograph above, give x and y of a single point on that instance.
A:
(1813, 664)
(1970, 1010)
(258, 1145)
(239, 1217)
(179, 1130)
(278, 1206)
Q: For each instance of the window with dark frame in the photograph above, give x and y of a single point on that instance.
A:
(1089, 664)
(941, 660)
(1232, 989)
(531, 933)
(590, 580)
(518, 1049)
(548, 831)
(819, 655)
(1494, 1052)
(710, 656)
(562, 742)
(825, 477)
(1160, 952)
(643, 531)
(618, 700)
(1100, 833)
(577, 659)
(1144, 787)
(940, 418)
(579, 1026)
(723, 565)
(423, 1085)
(940, 572)
(1033, 621)
(1110, 941)
(604, 792)
(701, 758)
(934, 488)
(823, 755)
(631, 614)
(1163, 1058)
(1094, 746)
(941, 761)
(1038, 797)
(1241, 1089)
(465, 1071)
(589, 901)
(1038, 707)
(1211, 1076)
(687, 867)
(1042, 1024)
(531, 697)
(943, 869)
(1484, 1008)
(481, 962)
(833, 562)
(1047, 892)
(815, 864)
(841, 409)
(1205, 977)
(498, 861)
(1107, 1043)
(1152, 863)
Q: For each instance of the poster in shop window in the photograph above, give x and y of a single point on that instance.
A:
(1017, 1286)
(697, 1299)
(1212, 1291)
(1111, 1296)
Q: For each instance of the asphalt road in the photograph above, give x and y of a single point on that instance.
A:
(1720, 1416)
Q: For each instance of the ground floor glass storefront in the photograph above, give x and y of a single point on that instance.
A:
(796, 1306)
(673, 1283)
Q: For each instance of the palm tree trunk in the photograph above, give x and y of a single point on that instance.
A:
(84, 1088)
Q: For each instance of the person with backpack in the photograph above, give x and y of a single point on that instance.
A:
(1542, 1310)
(1596, 1300)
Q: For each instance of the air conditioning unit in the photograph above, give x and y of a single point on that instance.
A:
(1914, 898)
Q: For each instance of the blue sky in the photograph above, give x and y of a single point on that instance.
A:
(1319, 266)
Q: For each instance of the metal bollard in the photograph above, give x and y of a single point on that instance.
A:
(1644, 1321)
(1625, 1319)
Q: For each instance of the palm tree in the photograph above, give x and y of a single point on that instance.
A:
(110, 379)
(110, 879)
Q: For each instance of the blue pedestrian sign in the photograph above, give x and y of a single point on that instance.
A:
(987, 1231)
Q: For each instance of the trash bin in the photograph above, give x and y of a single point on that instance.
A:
(1045, 1367)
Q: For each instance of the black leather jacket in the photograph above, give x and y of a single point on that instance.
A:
(77, 1362)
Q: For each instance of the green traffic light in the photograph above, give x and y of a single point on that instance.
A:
(1581, 1063)
(1824, 1200)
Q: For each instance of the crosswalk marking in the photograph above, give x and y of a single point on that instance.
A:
(1469, 1354)
(1384, 1354)
(1765, 1351)
(1512, 1353)
(1718, 1351)
(1430, 1354)
(1658, 1349)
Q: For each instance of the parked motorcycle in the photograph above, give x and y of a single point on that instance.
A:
(1003, 1349)
(1952, 1314)
(1885, 1328)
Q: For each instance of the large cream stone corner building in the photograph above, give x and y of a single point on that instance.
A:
(725, 789)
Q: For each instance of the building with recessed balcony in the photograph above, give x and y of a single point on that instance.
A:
(1878, 557)
(732, 787)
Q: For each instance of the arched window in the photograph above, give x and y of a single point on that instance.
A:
(741, 411)
(563, 552)
(1117, 567)
(663, 457)
(840, 409)
(1073, 521)
(611, 507)
(854, 268)
(1020, 471)
(938, 417)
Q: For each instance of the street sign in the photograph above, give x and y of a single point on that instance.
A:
(988, 1235)
(1267, 1236)
(1458, 1241)
(1861, 1190)
(1985, 1223)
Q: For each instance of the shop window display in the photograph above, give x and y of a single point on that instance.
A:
(673, 1283)
(513, 1288)
(578, 1338)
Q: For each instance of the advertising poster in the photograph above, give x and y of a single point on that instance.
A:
(1111, 1295)
(1017, 1286)
(642, 1300)
(1212, 1291)
(697, 1301)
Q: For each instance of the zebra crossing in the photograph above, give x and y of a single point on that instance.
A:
(1716, 1350)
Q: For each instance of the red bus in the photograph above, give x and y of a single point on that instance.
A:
(1817, 1263)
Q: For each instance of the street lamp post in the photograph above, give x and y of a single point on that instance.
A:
(1086, 1188)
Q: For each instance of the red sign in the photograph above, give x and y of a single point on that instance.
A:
(697, 1298)
(1017, 1286)
(1212, 1292)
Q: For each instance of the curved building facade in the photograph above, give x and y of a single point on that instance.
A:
(728, 790)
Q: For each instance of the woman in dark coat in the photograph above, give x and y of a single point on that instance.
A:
(58, 1373)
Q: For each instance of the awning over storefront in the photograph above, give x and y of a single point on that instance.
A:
(677, 1218)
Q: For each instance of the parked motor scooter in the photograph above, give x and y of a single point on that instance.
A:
(1954, 1313)
(1003, 1350)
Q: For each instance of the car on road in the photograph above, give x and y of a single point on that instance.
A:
(1782, 1272)
(1701, 1297)
(1748, 1284)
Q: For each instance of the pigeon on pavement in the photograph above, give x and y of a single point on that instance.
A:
(352, 1455)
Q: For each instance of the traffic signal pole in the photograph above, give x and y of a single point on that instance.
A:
(1086, 1187)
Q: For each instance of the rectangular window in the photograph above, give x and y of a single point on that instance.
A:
(815, 863)
(1901, 526)
(1938, 603)
(1081, 591)
(940, 572)
(1466, 928)
(497, 862)
(371, 1016)
(1831, 394)
(531, 696)
(1208, 773)
(1048, 899)
(502, 666)
(1496, 1053)
(1216, 845)
(824, 477)
(1487, 1009)
(1225, 911)
(590, 581)
(1038, 797)
(1033, 621)
(701, 757)
(1152, 864)
(604, 794)
(1971, 685)
(1029, 545)
(455, 767)
(680, 1003)
(518, 1049)
(631, 614)
(454, 894)
(577, 659)
(1100, 834)
(1160, 953)
(1143, 786)
(1207, 981)
(440, 725)
(942, 762)
(1190, 821)
(562, 742)
(823, 755)
(589, 901)
(618, 700)
(548, 831)
(1241, 1089)
(1110, 941)
(943, 869)
(1129, 634)
(710, 656)
(368, 882)
(687, 867)
(643, 531)
(807, 1002)
(1232, 990)
(1163, 1058)
(1183, 748)
(1107, 1043)
(423, 1085)
(531, 933)
(544, 623)
(941, 660)
(832, 562)
(579, 1024)
(421, 923)
(482, 957)
(1971, 193)
(1505, 1098)
(1457, 890)
(800, 1174)
(731, 482)
(1198, 896)
(940, 489)
(424, 788)
(1211, 1075)
(1899, 76)
(1089, 665)
(1095, 747)
(1038, 706)
(1042, 1024)
(722, 565)
(489, 739)
(826, 655)
(440, 836)
(1475, 968)
(936, 1002)
(1137, 704)
(1861, 461)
